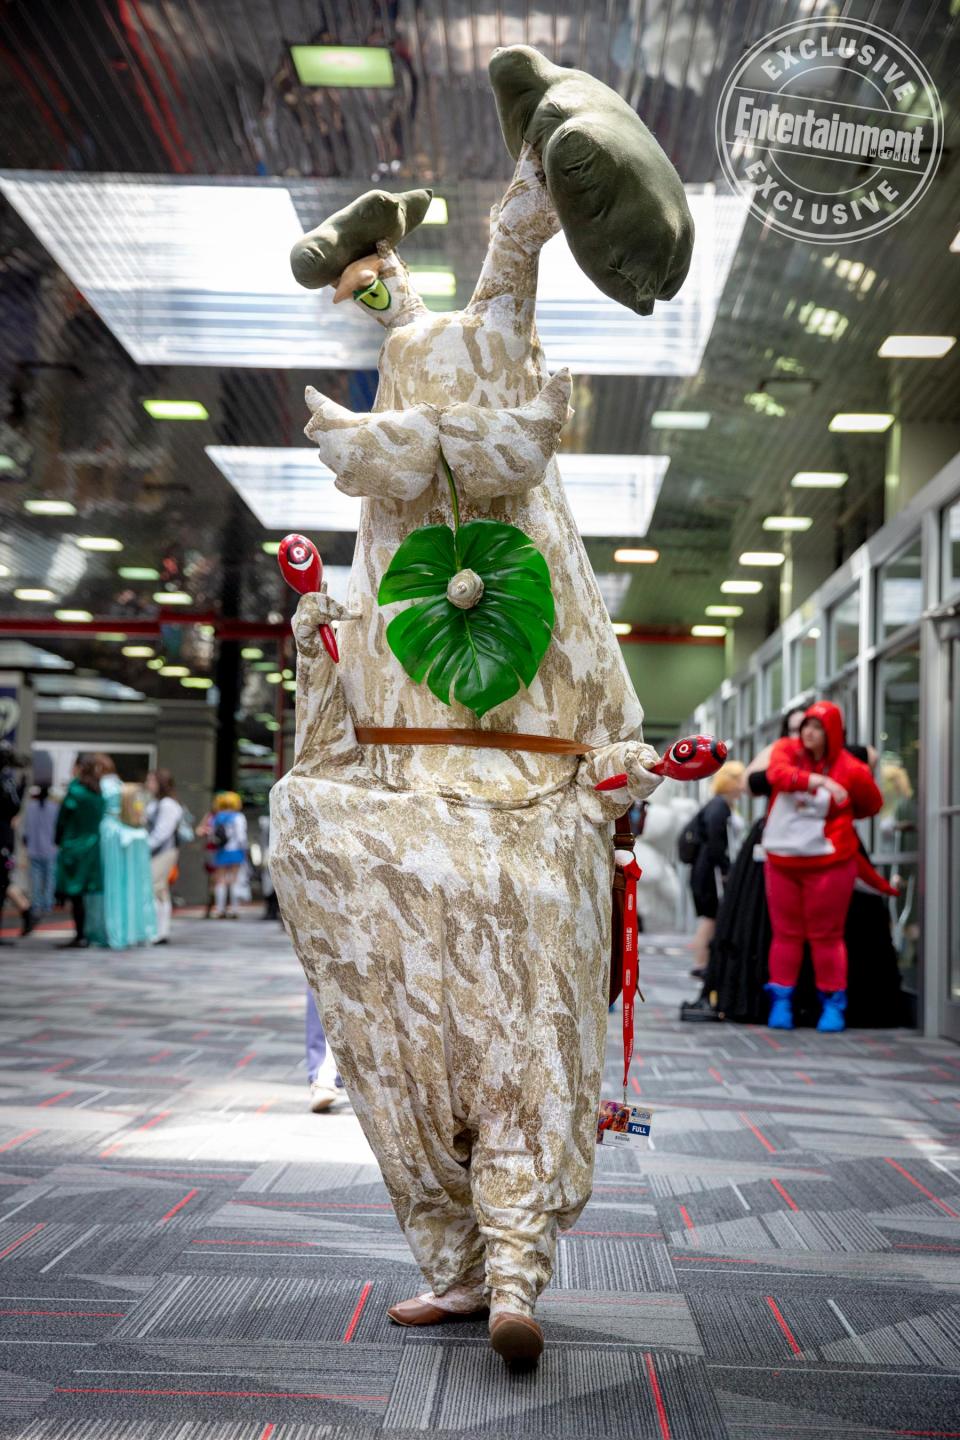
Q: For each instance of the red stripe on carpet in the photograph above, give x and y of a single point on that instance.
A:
(19, 1139)
(354, 1318)
(786, 1195)
(21, 1239)
(657, 1397)
(55, 1099)
(929, 1193)
(228, 1394)
(759, 1134)
(778, 1316)
(179, 1205)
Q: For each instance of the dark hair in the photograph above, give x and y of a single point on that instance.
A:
(42, 794)
(785, 723)
(88, 771)
(166, 785)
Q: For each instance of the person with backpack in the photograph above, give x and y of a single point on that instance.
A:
(708, 840)
(228, 830)
(12, 787)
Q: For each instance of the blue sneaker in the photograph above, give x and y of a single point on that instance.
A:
(831, 1016)
(781, 1008)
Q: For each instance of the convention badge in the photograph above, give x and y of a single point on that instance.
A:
(619, 1123)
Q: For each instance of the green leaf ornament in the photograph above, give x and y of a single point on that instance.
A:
(480, 649)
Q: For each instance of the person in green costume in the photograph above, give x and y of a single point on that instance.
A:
(79, 872)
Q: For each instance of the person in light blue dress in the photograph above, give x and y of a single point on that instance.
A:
(227, 826)
(127, 913)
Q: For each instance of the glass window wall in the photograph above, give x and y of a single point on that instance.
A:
(951, 550)
(900, 591)
(844, 631)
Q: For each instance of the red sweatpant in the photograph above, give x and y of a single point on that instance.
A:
(811, 906)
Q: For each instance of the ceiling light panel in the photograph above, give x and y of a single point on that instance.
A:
(608, 494)
(819, 479)
(916, 347)
(151, 258)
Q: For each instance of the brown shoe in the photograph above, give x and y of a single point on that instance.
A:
(517, 1339)
(421, 1312)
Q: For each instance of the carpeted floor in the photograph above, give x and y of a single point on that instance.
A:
(188, 1254)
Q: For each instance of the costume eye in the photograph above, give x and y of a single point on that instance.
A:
(375, 296)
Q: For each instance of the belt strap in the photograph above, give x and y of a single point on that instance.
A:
(480, 739)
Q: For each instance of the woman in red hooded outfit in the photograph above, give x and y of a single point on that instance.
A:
(819, 789)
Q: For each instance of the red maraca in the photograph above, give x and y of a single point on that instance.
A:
(302, 568)
(692, 758)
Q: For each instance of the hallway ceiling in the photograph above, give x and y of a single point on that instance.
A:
(172, 92)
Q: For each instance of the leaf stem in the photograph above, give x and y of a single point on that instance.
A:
(454, 499)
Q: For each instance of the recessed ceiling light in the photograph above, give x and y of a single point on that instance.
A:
(434, 283)
(112, 637)
(290, 685)
(762, 557)
(341, 67)
(73, 615)
(287, 674)
(271, 725)
(741, 587)
(176, 409)
(31, 594)
(7, 463)
(813, 634)
(172, 597)
(157, 663)
(916, 347)
(195, 682)
(620, 627)
(49, 507)
(679, 420)
(98, 542)
(138, 572)
(733, 611)
(704, 632)
(436, 212)
(251, 652)
(627, 556)
(860, 422)
(787, 522)
(955, 244)
(4, 570)
(819, 479)
(264, 665)
(274, 677)
(174, 672)
(270, 547)
(138, 652)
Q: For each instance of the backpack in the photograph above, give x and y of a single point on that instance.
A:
(690, 841)
(221, 835)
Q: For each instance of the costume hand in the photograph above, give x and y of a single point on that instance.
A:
(316, 609)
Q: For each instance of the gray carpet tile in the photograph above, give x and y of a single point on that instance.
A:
(187, 1253)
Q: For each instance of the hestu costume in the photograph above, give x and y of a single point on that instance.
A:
(451, 905)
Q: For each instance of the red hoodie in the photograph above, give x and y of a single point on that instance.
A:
(803, 831)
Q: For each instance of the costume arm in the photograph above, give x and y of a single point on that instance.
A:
(629, 757)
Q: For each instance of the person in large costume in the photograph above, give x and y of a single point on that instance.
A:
(445, 873)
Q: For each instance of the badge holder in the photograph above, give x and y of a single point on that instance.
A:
(619, 1122)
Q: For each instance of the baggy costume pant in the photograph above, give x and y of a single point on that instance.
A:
(459, 957)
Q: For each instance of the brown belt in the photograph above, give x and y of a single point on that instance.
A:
(480, 739)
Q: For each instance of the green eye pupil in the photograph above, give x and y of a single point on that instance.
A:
(375, 296)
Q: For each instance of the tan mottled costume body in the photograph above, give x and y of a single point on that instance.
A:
(451, 906)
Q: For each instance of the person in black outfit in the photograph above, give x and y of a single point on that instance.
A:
(733, 986)
(712, 826)
(11, 799)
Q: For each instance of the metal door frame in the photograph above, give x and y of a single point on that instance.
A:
(940, 631)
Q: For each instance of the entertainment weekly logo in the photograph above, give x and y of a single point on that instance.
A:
(832, 129)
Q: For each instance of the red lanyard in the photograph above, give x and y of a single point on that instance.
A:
(631, 874)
